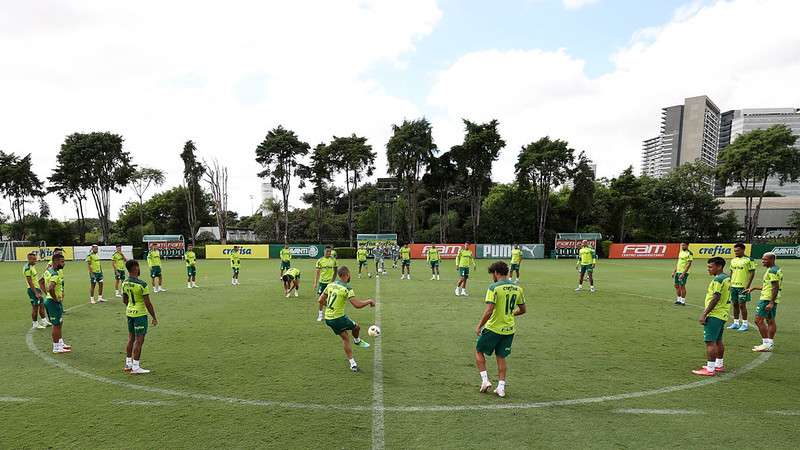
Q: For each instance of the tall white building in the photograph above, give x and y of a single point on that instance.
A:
(689, 134)
(744, 120)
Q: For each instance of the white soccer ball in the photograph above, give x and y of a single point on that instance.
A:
(374, 331)
(369, 275)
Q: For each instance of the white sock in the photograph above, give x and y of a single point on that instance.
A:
(736, 321)
(770, 341)
(764, 340)
(718, 363)
(135, 364)
(710, 366)
(320, 314)
(356, 340)
(501, 384)
(35, 322)
(352, 362)
(484, 377)
(128, 362)
(744, 322)
(61, 341)
(56, 346)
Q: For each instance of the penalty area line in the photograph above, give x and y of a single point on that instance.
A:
(377, 377)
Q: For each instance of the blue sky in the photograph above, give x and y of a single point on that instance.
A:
(591, 33)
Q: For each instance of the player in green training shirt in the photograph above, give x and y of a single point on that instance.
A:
(136, 297)
(361, 257)
(95, 275)
(118, 262)
(464, 259)
(286, 259)
(325, 275)
(587, 261)
(35, 293)
(504, 301)
(405, 264)
(433, 256)
(236, 264)
(743, 270)
(516, 260)
(681, 273)
(154, 261)
(191, 267)
(767, 308)
(291, 281)
(715, 314)
(54, 285)
(333, 300)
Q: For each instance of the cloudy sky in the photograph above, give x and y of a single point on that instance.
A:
(594, 72)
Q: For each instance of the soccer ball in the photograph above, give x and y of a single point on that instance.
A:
(369, 275)
(374, 331)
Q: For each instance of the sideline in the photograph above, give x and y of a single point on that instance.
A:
(377, 378)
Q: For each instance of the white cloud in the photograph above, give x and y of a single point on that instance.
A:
(160, 73)
(577, 4)
(743, 53)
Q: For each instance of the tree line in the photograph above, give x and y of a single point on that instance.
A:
(440, 195)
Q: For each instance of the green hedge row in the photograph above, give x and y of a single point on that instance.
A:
(345, 252)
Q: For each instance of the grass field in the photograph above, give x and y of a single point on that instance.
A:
(244, 367)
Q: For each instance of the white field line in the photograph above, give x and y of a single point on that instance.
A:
(380, 408)
(583, 401)
(784, 413)
(377, 378)
(143, 402)
(667, 412)
(16, 399)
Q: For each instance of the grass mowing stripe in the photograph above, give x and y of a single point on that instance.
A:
(377, 377)
(15, 399)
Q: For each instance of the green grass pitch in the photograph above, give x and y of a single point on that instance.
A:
(244, 367)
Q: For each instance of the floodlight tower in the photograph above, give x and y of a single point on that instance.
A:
(388, 191)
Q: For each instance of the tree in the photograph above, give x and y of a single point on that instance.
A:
(583, 187)
(141, 182)
(544, 164)
(751, 160)
(164, 213)
(102, 167)
(66, 183)
(18, 182)
(409, 152)
(317, 173)
(440, 181)
(625, 194)
(193, 171)
(279, 154)
(473, 159)
(353, 156)
(217, 179)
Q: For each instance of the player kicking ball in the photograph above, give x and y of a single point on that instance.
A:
(333, 300)
(767, 308)
(716, 312)
(504, 301)
(136, 297)
(291, 281)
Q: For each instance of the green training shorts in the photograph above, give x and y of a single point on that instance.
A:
(434, 264)
(54, 311)
(406, 263)
(321, 288)
(463, 272)
(191, 271)
(119, 275)
(514, 267)
(739, 296)
(761, 310)
(286, 265)
(712, 330)
(137, 325)
(155, 271)
(32, 295)
(490, 342)
(96, 277)
(340, 324)
(586, 268)
(235, 271)
(679, 282)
